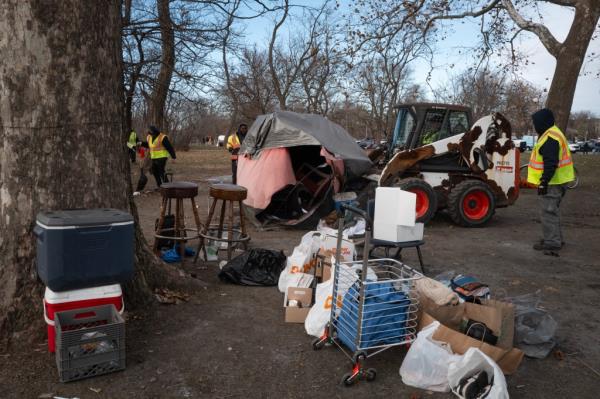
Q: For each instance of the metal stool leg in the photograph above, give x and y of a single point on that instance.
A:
(420, 259)
(230, 231)
(181, 224)
(198, 226)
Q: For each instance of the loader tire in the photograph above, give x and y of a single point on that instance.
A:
(426, 198)
(471, 203)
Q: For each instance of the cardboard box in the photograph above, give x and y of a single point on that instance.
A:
(395, 206)
(508, 359)
(297, 314)
(398, 233)
(323, 268)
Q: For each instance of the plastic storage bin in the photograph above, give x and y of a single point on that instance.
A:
(77, 299)
(89, 342)
(84, 248)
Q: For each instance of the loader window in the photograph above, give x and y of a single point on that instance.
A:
(458, 122)
(405, 124)
(433, 128)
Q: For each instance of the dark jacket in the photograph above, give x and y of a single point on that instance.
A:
(542, 121)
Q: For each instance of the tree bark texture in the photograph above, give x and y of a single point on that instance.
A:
(570, 59)
(62, 143)
(163, 80)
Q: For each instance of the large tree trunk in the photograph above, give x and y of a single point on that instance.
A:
(163, 80)
(62, 143)
(570, 59)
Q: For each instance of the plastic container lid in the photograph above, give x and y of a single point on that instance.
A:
(105, 291)
(84, 217)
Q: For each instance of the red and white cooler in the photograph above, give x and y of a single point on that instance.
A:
(77, 299)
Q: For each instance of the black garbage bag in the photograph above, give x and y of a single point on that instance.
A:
(254, 267)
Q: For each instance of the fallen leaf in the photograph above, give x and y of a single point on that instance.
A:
(558, 355)
(166, 296)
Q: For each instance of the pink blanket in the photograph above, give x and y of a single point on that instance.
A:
(264, 176)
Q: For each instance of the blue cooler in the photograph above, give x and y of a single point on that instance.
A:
(84, 248)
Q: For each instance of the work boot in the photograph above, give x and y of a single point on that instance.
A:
(541, 242)
(540, 246)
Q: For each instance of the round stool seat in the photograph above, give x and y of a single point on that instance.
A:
(179, 189)
(229, 192)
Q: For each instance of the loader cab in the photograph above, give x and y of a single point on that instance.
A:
(421, 124)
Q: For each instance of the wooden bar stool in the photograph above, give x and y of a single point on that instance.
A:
(177, 191)
(227, 194)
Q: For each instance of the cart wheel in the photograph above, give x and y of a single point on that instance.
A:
(318, 343)
(371, 374)
(349, 379)
(359, 357)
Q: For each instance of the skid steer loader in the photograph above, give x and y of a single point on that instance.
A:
(470, 172)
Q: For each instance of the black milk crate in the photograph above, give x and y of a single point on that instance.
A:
(89, 342)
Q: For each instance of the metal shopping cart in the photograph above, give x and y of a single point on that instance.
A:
(373, 308)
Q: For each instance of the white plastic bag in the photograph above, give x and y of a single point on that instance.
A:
(329, 243)
(300, 261)
(472, 362)
(319, 314)
(426, 363)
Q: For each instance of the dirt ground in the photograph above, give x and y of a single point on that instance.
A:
(230, 341)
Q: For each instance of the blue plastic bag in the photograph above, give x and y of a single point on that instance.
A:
(384, 316)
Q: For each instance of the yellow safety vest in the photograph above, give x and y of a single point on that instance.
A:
(132, 140)
(564, 171)
(233, 143)
(157, 150)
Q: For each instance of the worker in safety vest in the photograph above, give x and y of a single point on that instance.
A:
(550, 168)
(234, 142)
(160, 148)
(131, 144)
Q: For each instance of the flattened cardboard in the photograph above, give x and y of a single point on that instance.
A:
(507, 359)
(507, 312)
(488, 315)
(295, 314)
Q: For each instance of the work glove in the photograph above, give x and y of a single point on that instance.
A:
(543, 189)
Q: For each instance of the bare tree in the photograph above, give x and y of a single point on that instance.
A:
(491, 90)
(285, 67)
(503, 20)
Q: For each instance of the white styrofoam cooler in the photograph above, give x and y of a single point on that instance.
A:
(399, 233)
(395, 215)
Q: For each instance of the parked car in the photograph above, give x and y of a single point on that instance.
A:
(574, 147)
(367, 143)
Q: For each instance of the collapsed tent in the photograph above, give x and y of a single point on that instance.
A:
(292, 164)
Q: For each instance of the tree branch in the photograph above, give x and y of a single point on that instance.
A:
(484, 10)
(548, 40)
(276, 83)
